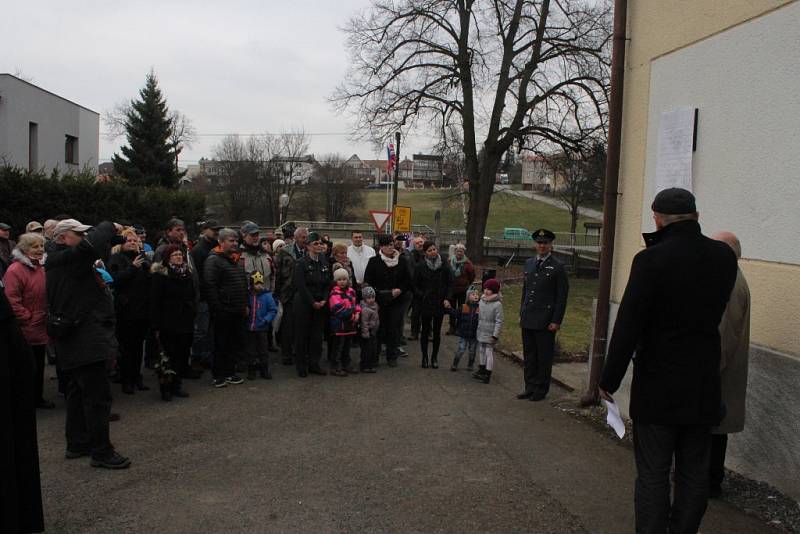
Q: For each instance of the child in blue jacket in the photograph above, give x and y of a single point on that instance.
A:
(466, 328)
(262, 311)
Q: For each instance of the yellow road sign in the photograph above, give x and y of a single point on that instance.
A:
(401, 219)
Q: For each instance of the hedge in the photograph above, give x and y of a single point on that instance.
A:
(34, 196)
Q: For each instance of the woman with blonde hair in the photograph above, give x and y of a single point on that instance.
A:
(130, 269)
(25, 289)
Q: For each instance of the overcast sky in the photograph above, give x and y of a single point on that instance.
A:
(235, 66)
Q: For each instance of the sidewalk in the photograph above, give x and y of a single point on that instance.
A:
(547, 199)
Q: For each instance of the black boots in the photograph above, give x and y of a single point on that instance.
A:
(251, 372)
(434, 362)
(487, 377)
(263, 370)
(478, 375)
(424, 361)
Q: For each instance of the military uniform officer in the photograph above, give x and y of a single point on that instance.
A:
(544, 301)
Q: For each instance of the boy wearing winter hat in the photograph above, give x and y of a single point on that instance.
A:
(370, 322)
(345, 314)
(262, 311)
(466, 324)
(490, 322)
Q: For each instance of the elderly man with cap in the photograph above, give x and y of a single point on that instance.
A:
(81, 323)
(544, 301)
(6, 246)
(285, 258)
(669, 316)
(253, 255)
(312, 283)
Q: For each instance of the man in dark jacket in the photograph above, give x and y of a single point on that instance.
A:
(20, 485)
(81, 303)
(388, 274)
(225, 290)
(543, 303)
(6, 246)
(284, 287)
(669, 316)
(203, 343)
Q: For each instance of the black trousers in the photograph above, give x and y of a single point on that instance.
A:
(286, 332)
(716, 468)
(227, 344)
(177, 348)
(655, 446)
(431, 322)
(415, 316)
(456, 302)
(308, 339)
(255, 348)
(391, 317)
(131, 336)
(369, 353)
(537, 349)
(88, 408)
(340, 351)
(38, 364)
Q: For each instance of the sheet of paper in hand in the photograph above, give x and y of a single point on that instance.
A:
(614, 419)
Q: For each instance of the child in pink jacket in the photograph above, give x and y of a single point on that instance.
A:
(345, 313)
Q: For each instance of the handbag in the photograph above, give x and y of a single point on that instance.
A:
(59, 326)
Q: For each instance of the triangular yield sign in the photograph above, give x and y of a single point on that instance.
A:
(379, 218)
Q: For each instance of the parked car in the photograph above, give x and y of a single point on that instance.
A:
(461, 233)
(517, 234)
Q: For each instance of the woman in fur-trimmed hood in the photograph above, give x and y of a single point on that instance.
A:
(173, 305)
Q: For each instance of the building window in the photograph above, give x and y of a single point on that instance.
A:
(71, 150)
(33, 146)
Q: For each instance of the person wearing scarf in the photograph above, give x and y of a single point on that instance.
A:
(463, 277)
(388, 274)
(173, 306)
(433, 282)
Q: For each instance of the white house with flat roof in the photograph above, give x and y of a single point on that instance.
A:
(41, 130)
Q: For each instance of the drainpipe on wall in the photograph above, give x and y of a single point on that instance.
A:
(590, 397)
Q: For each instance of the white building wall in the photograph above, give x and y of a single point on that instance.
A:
(22, 103)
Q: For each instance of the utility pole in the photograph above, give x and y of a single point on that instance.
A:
(396, 172)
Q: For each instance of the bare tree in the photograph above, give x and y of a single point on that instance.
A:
(501, 72)
(288, 151)
(241, 163)
(182, 135)
(334, 192)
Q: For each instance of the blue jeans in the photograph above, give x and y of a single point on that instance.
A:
(203, 343)
(465, 344)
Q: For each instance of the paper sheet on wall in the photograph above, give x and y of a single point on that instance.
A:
(674, 157)
(614, 419)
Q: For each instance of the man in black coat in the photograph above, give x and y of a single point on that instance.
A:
(543, 303)
(80, 302)
(225, 290)
(20, 486)
(311, 283)
(669, 317)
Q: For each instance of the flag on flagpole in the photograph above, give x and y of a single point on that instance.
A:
(391, 159)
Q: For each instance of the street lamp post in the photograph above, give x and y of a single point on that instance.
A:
(396, 172)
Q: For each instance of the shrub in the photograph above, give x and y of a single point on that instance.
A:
(34, 196)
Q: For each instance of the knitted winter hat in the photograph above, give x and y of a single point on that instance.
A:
(368, 293)
(492, 285)
(341, 274)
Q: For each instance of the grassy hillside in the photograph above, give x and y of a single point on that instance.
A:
(506, 210)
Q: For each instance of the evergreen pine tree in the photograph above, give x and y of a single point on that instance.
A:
(149, 158)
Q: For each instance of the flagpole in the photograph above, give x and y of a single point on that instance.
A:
(396, 173)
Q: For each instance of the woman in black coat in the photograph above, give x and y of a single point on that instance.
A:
(433, 282)
(173, 306)
(129, 268)
(388, 274)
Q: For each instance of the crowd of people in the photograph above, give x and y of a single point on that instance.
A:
(103, 303)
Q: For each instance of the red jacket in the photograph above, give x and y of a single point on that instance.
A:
(25, 289)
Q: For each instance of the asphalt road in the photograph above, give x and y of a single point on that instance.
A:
(403, 450)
